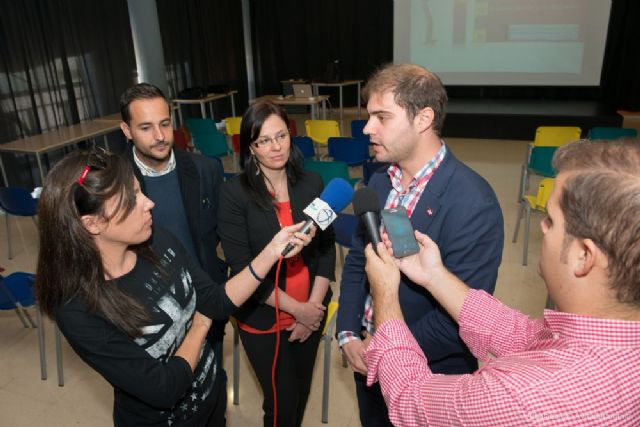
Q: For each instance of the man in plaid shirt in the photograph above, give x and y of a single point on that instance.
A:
(577, 366)
(445, 199)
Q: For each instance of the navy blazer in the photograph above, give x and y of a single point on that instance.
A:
(246, 228)
(460, 212)
(200, 178)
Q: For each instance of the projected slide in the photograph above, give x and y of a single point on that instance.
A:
(504, 41)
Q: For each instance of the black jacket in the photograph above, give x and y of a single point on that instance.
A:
(200, 178)
(246, 228)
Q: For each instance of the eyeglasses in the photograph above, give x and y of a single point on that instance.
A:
(97, 159)
(266, 141)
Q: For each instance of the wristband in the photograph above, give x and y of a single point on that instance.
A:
(254, 274)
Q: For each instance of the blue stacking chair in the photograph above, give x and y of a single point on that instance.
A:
(352, 151)
(305, 145)
(611, 133)
(18, 202)
(369, 168)
(357, 129)
(344, 226)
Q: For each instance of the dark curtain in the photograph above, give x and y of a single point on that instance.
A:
(620, 80)
(295, 39)
(61, 61)
(204, 46)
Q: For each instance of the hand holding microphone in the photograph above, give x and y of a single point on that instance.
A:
(323, 210)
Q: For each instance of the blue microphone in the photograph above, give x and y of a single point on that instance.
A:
(323, 210)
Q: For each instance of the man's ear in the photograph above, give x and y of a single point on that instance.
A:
(126, 130)
(93, 224)
(588, 256)
(424, 119)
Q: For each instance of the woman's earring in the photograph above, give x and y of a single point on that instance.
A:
(255, 162)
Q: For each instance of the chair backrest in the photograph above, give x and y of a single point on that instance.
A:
(357, 127)
(610, 133)
(305, 145)
(328, 170)
(17, 201)
(540, 161)
(555, 136)
(353, 151)
(180, 139)
(293, 127)
(345, 226)
(235, 143)
(200, 126)
(232, 125)
(211, 144)
(544, 191)
(369, 168)
(17, 287)
(321, 130)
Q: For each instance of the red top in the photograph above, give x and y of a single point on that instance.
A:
(296, 279)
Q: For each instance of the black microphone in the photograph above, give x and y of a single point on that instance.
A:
(324, 209)
(367, 206)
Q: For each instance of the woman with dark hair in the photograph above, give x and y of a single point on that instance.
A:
(271, 193)
(135, 309)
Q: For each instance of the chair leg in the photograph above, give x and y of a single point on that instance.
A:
(43, 360)
(325, 378)
(236, 366)
(527, 221)
(523, 178)
(520, 212)
(59, 357)
(27, 315)
(21, 317)
(6, 224)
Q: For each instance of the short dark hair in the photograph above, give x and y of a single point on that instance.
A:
(413, 87)
(135, 92)
(600, 201)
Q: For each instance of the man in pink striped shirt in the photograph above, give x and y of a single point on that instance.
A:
(577, 366)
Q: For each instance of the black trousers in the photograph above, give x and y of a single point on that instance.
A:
(373, 409)
(293, 373)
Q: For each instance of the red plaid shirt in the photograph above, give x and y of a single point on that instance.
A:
(562, 370)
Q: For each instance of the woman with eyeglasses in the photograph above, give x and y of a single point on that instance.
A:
(270, 193)
(134, 307)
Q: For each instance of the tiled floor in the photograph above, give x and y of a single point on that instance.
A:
(86, 399)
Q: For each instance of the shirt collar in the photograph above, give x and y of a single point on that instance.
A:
(395, 173)
(594, 330)
(147, 171)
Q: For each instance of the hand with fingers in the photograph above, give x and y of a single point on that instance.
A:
(299, 332)
(291, 235)
(310, 314)
(422, 267)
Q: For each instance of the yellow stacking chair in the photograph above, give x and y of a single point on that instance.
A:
(321, 130)
(532, 203)
(540, 152)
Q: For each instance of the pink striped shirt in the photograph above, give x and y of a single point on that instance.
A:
(562, 370)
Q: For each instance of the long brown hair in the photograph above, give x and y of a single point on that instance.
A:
(69, 262)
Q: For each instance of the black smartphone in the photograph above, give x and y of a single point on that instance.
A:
(400, 232)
